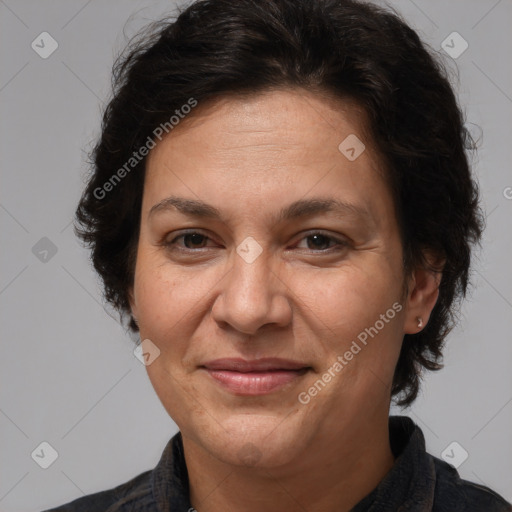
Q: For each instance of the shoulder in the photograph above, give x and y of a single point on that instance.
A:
(453, 494)
(134, 495)
(161, 488)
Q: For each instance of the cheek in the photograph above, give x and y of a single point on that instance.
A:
(161, 302)
(163, 295)
(355, 313)
(172, 303)
(349, 297)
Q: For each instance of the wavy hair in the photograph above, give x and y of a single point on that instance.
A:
(347, 48)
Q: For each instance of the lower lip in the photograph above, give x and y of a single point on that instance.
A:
(255, 383)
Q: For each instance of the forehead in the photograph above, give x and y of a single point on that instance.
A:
(270, 146)
(293, 112)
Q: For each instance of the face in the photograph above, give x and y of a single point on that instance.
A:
(269, 260)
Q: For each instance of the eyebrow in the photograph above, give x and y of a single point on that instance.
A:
(300, 208)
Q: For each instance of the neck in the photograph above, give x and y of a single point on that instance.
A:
(334, 474)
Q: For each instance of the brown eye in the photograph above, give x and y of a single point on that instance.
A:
(187, 241)
(318, 241)
(322, 242)
(193, 239)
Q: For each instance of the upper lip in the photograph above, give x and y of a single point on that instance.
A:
(257, 365)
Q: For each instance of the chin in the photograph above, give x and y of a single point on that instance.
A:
(256, 441)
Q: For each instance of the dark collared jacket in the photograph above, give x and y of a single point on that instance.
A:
(418, 482)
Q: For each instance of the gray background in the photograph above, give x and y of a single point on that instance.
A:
(69, 376)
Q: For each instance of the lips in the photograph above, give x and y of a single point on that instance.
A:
(258, 365)
(257, 377)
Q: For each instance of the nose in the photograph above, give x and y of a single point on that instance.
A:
(252, 295)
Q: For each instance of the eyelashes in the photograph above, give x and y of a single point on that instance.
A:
(318, 238)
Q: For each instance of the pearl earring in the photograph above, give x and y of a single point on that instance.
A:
(420, 322)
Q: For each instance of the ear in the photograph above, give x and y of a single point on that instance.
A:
(423, 291)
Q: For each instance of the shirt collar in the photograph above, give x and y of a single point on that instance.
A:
(170, 478)
(410, 483)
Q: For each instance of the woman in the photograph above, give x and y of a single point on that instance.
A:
(282, 207)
